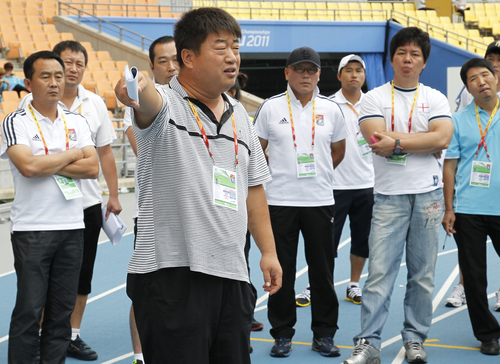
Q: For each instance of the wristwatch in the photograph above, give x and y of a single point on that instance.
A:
(398, 149)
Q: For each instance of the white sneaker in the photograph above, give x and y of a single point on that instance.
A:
(457, 297)
(497, 305)
(304, 299)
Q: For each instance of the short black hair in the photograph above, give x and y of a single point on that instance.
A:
(196, 25)
(411, 35)
(8, 66)
(475, 63)
(72, 46)
(162, 40)
(241, 82)
(29, 69)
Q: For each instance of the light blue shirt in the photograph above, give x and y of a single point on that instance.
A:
(466, 137)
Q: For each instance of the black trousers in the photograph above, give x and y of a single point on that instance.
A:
(358, 204)
(471, 234)
(47, 265)
(185, 317)
(92, 217)
(316, 224)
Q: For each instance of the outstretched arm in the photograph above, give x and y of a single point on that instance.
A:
(150, 101)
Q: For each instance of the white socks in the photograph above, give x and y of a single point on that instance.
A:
(74, 333)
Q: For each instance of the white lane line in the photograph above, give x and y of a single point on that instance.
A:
(400, 357)
(125, 356)
(5, 338)
(104, 294)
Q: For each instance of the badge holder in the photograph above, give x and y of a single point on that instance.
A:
(306, 166)
(68, 187)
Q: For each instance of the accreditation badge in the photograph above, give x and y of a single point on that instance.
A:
(364, 148)
(68, 187)
(398, 159)
(225, 192)
(306, 166)
(480, 175)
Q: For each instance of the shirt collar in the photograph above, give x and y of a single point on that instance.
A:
(294, 100)
(176, 86)
(340, 98)
(41, 117)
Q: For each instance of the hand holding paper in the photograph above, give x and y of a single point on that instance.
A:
(114, 227)
(131, 78)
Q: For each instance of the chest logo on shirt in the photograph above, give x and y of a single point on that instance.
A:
(284, 121)
(423, 108)
(36, 138)
(72, 134)
(320, 120)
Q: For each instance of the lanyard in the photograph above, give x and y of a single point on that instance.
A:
(291, 122)
(41, 134)
(353, 109)
(204, 135)
(482, 142)
(411, 111)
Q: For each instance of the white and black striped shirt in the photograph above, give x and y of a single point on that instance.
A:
(178, 224)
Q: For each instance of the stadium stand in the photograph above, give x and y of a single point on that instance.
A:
(28, 27)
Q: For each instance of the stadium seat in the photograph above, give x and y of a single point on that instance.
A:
(120, 66)
(108, 65)
(10, 96)
(67, 36)
(42, 46)
(9, 106)
(94, 66)
(103, 56)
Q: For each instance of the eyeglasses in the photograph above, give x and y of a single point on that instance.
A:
(301, 70)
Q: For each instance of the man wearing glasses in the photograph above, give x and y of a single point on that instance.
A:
(306, 133)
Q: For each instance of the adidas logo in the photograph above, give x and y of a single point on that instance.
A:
(284, 121)
(36, 138)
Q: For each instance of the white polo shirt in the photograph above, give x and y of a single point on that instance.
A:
(93, 108)
(272, 122)
(421, 172)
(39, 204)
(355, 171)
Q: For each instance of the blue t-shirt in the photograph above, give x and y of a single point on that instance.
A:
(466, 137)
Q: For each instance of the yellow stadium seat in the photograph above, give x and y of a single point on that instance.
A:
(11, 96)
(321, 5)
(445, 20)
(98, 76)
(94, 66)
(42, 46)
(473, 33)
(409, 6)
(478, 6)
(431, 13)
(399, 7)
(458, 26)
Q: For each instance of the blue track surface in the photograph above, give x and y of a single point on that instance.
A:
(105, 325)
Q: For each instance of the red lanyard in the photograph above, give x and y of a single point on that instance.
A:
(291, 122)
(482, 142)
(411, 111)
(204, 135)
(41, 134)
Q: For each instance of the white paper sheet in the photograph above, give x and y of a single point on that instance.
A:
(114, 227)
(132, 83)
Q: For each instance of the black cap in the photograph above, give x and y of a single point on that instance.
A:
(303, 54)
(493, 47)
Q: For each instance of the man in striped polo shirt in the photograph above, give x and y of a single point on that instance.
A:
(200, 172)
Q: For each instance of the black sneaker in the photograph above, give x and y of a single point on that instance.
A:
(256, 325)
(353, 295)
(304, 299)
(325, 346)
(282, 347)
(81, 351)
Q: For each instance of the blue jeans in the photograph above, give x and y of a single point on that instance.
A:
(399, 221)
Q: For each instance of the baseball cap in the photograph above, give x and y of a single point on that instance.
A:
(351, 58)
(303, 54)
(493, 47)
